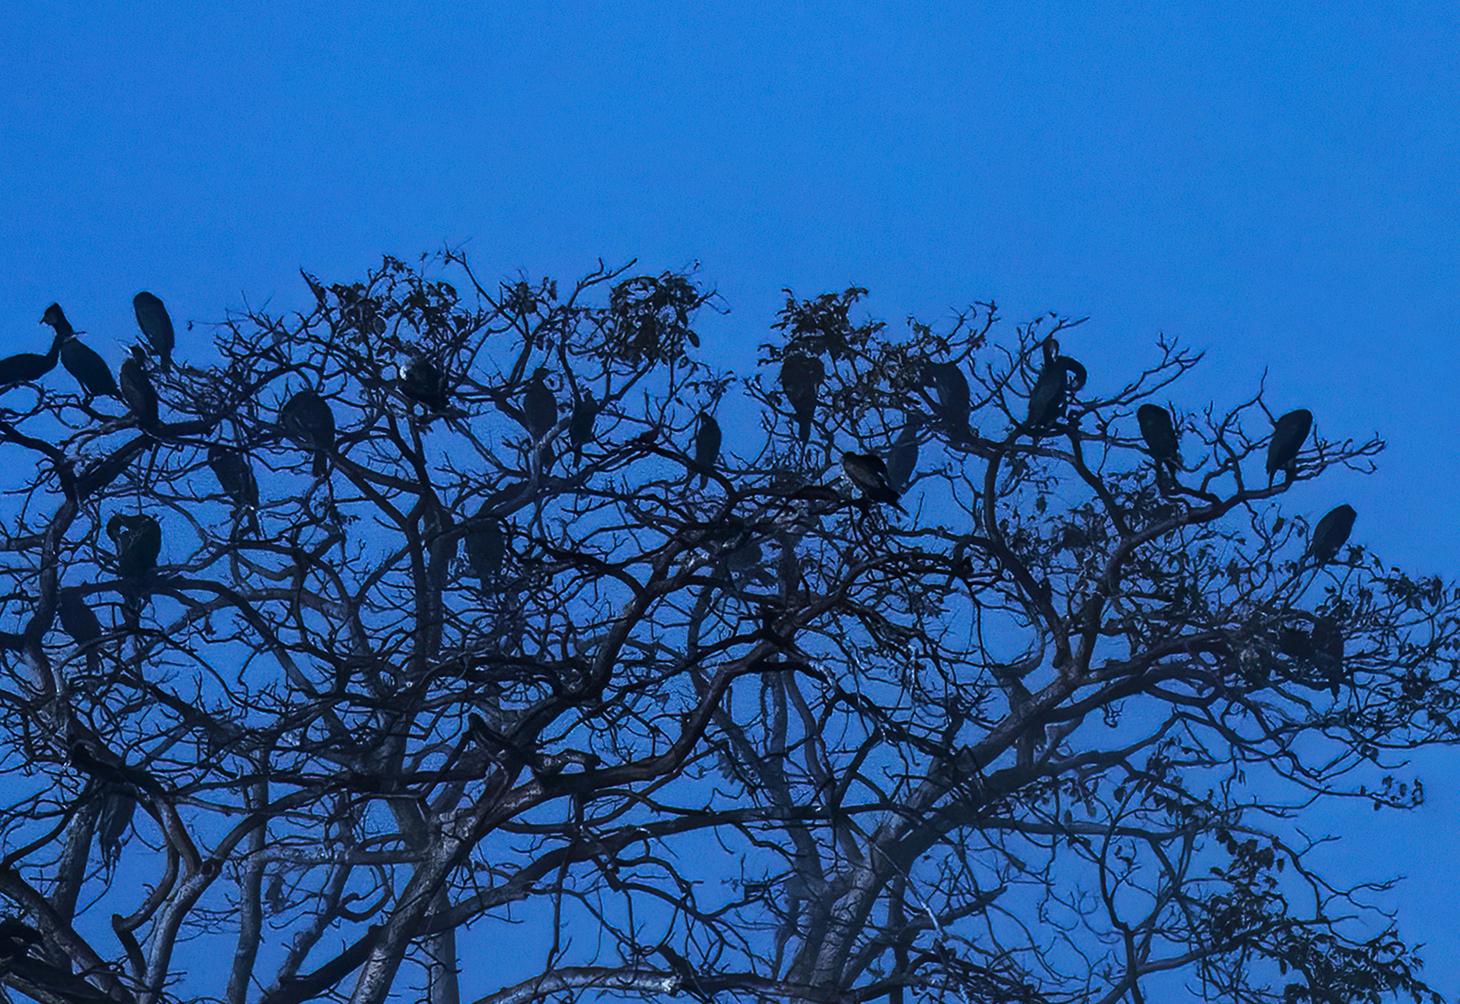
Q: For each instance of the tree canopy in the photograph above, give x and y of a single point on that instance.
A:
(438, 614)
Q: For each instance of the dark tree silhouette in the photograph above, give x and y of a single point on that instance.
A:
(421, 642)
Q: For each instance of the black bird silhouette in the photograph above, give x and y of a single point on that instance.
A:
(80, 624)
(1059, 378)
(135, 388)
(155, 323)
(903, 459)
(307, 421)
(1328, 652)
(539, 407)
(486, 546)
(950, 386)
(869, 473)
(80, 360)
(707, 446)
(138, 540)
(118, 804)
(235, 476)
(1158, 429)
(25, 367)
(580, 425)
(1288, 435)
(1331, 533)
(801, 377)
(421, 381)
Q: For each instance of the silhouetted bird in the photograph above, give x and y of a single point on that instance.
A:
(580, 426)
(707, 446)
(25, 367)
(138, 540)
(307, 421)
(1328, 652)
(950, 386)
(801, 378)
(235, 476)
(55, 319)
(1288, 435)
(422, 382)
(1059, 378)
(136, 389)
(1331, 533)
(539, 407)
(155, 323)
(486, 546)
(80, 624)
(80, 360)
(903, 459)
(869, 474)
(1159, 431)
(118, 804)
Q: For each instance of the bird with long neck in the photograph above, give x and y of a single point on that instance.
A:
(79, 359)
(27, 367)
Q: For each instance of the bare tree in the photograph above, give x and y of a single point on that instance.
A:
(408, 626)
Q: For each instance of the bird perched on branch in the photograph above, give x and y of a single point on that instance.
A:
(307, 421)
(79, 359)
(79, 623)
(27, 367)
(707, 446)
(1158, 429)
(486, 546)
(903, 459)
(801, 377)
(119, 802)
(421, 381)
(950, 386)
(156, 325)
(869, 474)
(138, 539)
(235, 476)
(580, 425)
(1059, 378)
(136, 389)
(1289, 433)
(1331, 533)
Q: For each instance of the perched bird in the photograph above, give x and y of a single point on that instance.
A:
(135, 388)
(950, 385)
(1159, 431)
(539, 407)
(1328, 652)
(119, 802)
(422, 382)
(1288, 435)
(235, 476)
(55, 319)
(307, 421)
(1331, 533)
(486, 546)
(869, 473)
(89, 368)
(1058, 379)
(155, 323)
(25, 367)
(580, 425)
(79, 623)
(903, 459)
(138, 540)
(707, 446)
(801, 378)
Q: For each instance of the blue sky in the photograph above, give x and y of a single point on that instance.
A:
(1279, 185)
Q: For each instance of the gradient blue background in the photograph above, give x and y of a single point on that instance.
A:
(1279, 186)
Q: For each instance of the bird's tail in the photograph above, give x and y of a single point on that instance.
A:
(321, 463)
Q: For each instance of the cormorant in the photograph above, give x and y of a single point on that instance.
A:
(135, 388)
(950, 385)
(422, 382)
(24, 367)
(152, 318)
(1331, 533)
(707, 446)
(1288, 435)
(1059, 377)
(139, 542)
(869, 473)
(118, 805)
(1159, 431)
(486, 546)
(307, 421)
(903, 459)
(80, 624)
(539, 407)
(80, 359)
(580, 426)
(235, 476)
(801, 378)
